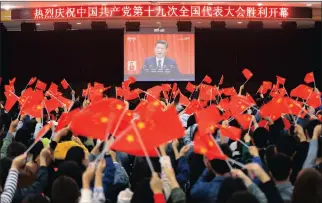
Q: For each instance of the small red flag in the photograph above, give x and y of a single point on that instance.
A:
(64, 83)
(231, 132)
(267, 85)
(190, 87)
(11, 100)
(244, 120)
(192, 107)
(68, 103)
(206, 92)
(43, 131)
(8, 88)
(207, 79)
(280, 80)
(250, 98)
(51, 104)
(33, 107)
(32, 80)
(166, 87)
(84, 92)
(128, 82)
(221, 80)
(130, 95)
(224, 104)
(230, 91)
(301, 91)
(314, 100)
(287, 124)
(41, 85)
(98, 85)
(208, 119)
(247, 74)
(309, 78)
(66, 118)
(53, 88)
(12, 82)
(183, 100)
(205, 145)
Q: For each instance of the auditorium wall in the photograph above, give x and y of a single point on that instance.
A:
(83, 56)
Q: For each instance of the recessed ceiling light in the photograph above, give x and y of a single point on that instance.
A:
(78, 23)
(158, 22)
(38, 24)
(309, 5)
(198, 22)
(7, 7)
(259, 4)
(239, 22)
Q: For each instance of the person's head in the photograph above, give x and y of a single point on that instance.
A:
(15, 149)
(218, 166)
(32, 165)
(65, 190)
(142, 192)
(286, 145)
(160, 48)
(229, 186)
(23, 135)
(35, 199)
(78, 155)
(280, 167)
(309, 127)
(72, 170)
(308, 187)
(242, 197)
(5, 165)
(260, 137)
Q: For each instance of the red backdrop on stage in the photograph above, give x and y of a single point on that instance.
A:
(138, 47)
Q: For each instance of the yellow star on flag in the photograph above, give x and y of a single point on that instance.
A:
(130, 138)
(104, 119)
(141, 125)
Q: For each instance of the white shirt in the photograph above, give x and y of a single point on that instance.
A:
(162, 61)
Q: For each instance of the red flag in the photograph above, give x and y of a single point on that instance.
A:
(68, 103)
(66, 118)
(207, 79)
(190, 87)
(314, 100)
(32, 80)
(51, 104)
(64, 83)
(41, 85)
(224, 104)
(33, 107)
(244, 120)
(206, 92)
(250, 98)
(192, 107)
(84, 92)
(183, 100)
(12, 82)
(128, 82)
(97, 119)
(174, 88)
(205, 145)
(98, 85)
(267, 85)
(301, 91)
(119, 91)
(228, 91)
(231, 132)
(208, 119)
(309, 78)
(130, 95)
(8, 88)
(280, 80)
(294, 107)
(53, 88)
(282, 91)
(262, 124)
(43, 131)
(11, 100)
(166, 87)
(262, 90)
(238, 105)
(247, 74)
(287, 124)
(221, 80)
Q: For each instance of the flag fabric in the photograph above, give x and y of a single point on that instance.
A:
(208, 119)
(287, 124)
(32, 80)
(309, 78)
(221, 80)
(250, 99)
(190, 87)
(230, 91)
(96, 120)
(166, 87)
(41, 85)
(8, 88)
(11, 100)
(247, 74)
(192, 107)
(231, 132)
(301, 91)
(238, 105)
(84, 92)
(51, 104)
(64, 83)
(244, 120)
(183, 100)
(128, 82)
(44, 130)
(280, 80)
(33, 107)
(65, 119)
(98, 85)
(267, 85)
(12, 82)
(262, 90)
(130, 95)
(205, 145)
(207, 79)
(67, 102)
(206, 92)
(314, 100)
(53, 88)
(224, 104)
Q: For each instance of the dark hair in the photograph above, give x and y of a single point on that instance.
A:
(67, 137)
(260, 137)
(65, 190)
(221, 166)
(76, 154)
(242, 197)
(5, 165)
(35, 199)
(15, 149)
(5, 121)
(309, 127)
(71, 169)
(143, 192)
(286, 145)
(23, 135)
(35, 151)
(308, 187)
(162, 42)
(280, 166)
(229, 186)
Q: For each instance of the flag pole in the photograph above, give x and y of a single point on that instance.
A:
(138, 135)
(245, 82)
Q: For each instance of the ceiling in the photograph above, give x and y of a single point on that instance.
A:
(198, 23)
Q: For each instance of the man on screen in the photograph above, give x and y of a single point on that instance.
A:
(160, 65)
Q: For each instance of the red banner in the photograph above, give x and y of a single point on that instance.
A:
(168, 11)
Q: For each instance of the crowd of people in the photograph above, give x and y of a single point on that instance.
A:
(276, 159)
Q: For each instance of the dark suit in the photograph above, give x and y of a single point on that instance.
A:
(169, 68)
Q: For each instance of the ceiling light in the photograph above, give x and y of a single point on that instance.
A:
(309, 5)
(239, 22)
(55, 5)
(198, 22)
(78, 23)
(259, 4)
(38, 24)
(7, 7)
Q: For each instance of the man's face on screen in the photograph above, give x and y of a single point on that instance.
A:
(160, 50)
